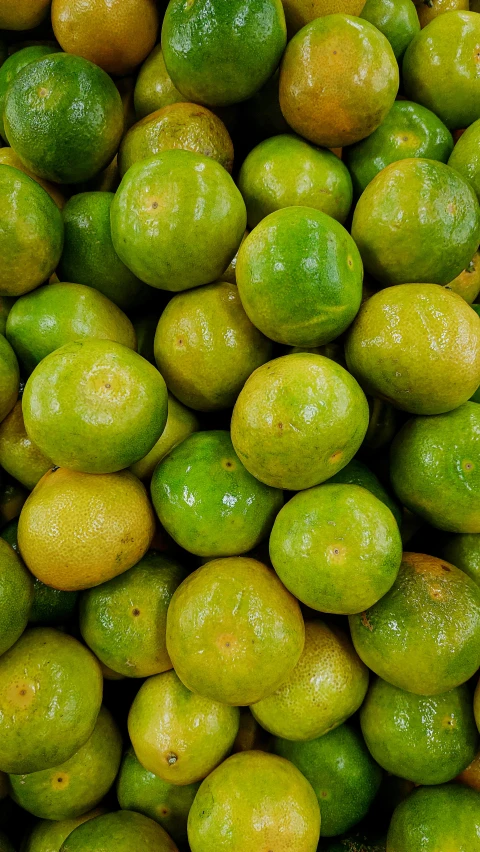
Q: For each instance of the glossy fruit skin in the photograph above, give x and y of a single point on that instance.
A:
(338, 79)
(16, 596)
(299, 276)
(103, 392)
(74, 787)
(88, 255)
(57, 314)
(208, 502)
(206, 347)
(357, 473)
(181, 422)
(54, 140)
(467, 284)
(234, 633)
(286, 171)
(435, 818)
(8, 157)
(408, 130)
(154, 88)
(22, 14)
(70, 688)
(9, 378)
(194, 37)
(427, 13)
(18, 454)
(298, 420)
(342, 773)
(464, 552)
(48, 835)
(438, 208)
(396, 19)
(440, 68)
(255, 801)
(14, 64)
(123, 621)
(179, 736)
(166, 803)
(121, 830)
(298, 13)
(327, 685)
(437, 609)
(31, 233)
(435, 468)
(155, 227)
(465, 157)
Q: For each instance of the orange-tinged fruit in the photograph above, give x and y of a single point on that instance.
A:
(122, 831)
(234, 633)
(181, 422)
(22, 14)
(117, 35)
(78, 530)
(8, 157)
(327, 685)
(436, 819)
(154, 88)
(19, 456)
(48, 835)
(429, 10)
(471, 775)
(338, 80)
(9, 378)
(467, 284)
(12, 498)
(256, 801)
(16, 596)
(50, 697)
(298, 13)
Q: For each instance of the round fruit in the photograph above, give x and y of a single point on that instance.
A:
(221, 53)
(16, 596)
(435, 468)
(342, 773)
(73, 123)
(424, 634)
(464, 552)
(18, 455)
(116, 35)
(156, 227)
(436, 207)
(337, 548)
(177, 735)
(467, 284)
(357, 473)
(122, 831)
(77, 530)
(50, 697)
(31, 233)
(9, 378)
(208, 502)
(187, 126)
(298, 13)
(181, 422)
(234, 633)
(22, 14)
(299, 276)
(396, 19)
(430, 10)
(408, 130)
(471, 775)
(440, 68)
(154, 87)
(74, 787)
(206, 347)
(338, 80)
(48, 835)
(286, 171)
(14, 64)
(298, 420)
(142, 791)
(327, 685)
(254, 800)
(124, 620)
(465, 157)
(95, 406)
(57, 314)
(8, 157)
(434, 818)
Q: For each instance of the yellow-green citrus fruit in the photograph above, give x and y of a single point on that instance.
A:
(396, 19)
(48, 835)
(357, 473)
(9, 378)
(18, 454)
(298, 13)
(22, 14)
(154, 87)
(181, 422)
(464, 551)
(464, 157)
(430, 10)
(14, 64)
(436, 818)
(16, 596)
(467, 284)
(122, 831)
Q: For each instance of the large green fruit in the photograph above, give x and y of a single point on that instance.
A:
(435, 819)
(122, 831)
(16, 596)
(14, 64)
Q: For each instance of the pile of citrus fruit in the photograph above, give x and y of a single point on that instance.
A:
(239, 426)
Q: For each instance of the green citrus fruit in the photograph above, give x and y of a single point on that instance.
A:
(465, 157)
(427, 740)
(337, 548)
(16, 596)
(286, 171)
(396, 19)
(357, 473)
(157, 230)
(14, 64)
(206, 347)
(124, 620)
(327, 685)
(437, 207)
(298, 420)
(408, 130)
(208, 502)
(57, 314)
(430, 10)
(75, 786)
(467, 284)
(424, 634)
(342, 773)
(48, 835)
(18, 454)
(6, 303)
(95, 406)
(440, 68)
(122, 831)
(64, 118)
(9, 378)
(258, 801)
(142, 791)
(234, 633)
(322, 94)
(299, 276)
(436, 818)
(181, 422)
(298, 13)
(435, 468)
(177, 735)
(31, 233)
(154, 87)
(195, 37)
(50, 696)
(464, 552)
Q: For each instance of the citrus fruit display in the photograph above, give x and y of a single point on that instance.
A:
(464, 551)
(154, 88)
(123, 830)
(468, 281)
(18, 454)
(13, 64)
(396, 19)
(16, 596)
(433, 817)
(9, 378)
(23, 14)
(8, 157)
(181, 422)
(464, 157)
(439, 7)
(358, 473)
(48, 835)
(298, 13)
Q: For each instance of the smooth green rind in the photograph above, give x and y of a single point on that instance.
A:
(122, 831)
(465, 157)
(14, 64)
(357, 473)
(463, 550)
(436, 818)
(16, 596)
(154, 88)
(396, 19)
(9, 378)
(48, 835)
(181, 422)
(18, 455)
